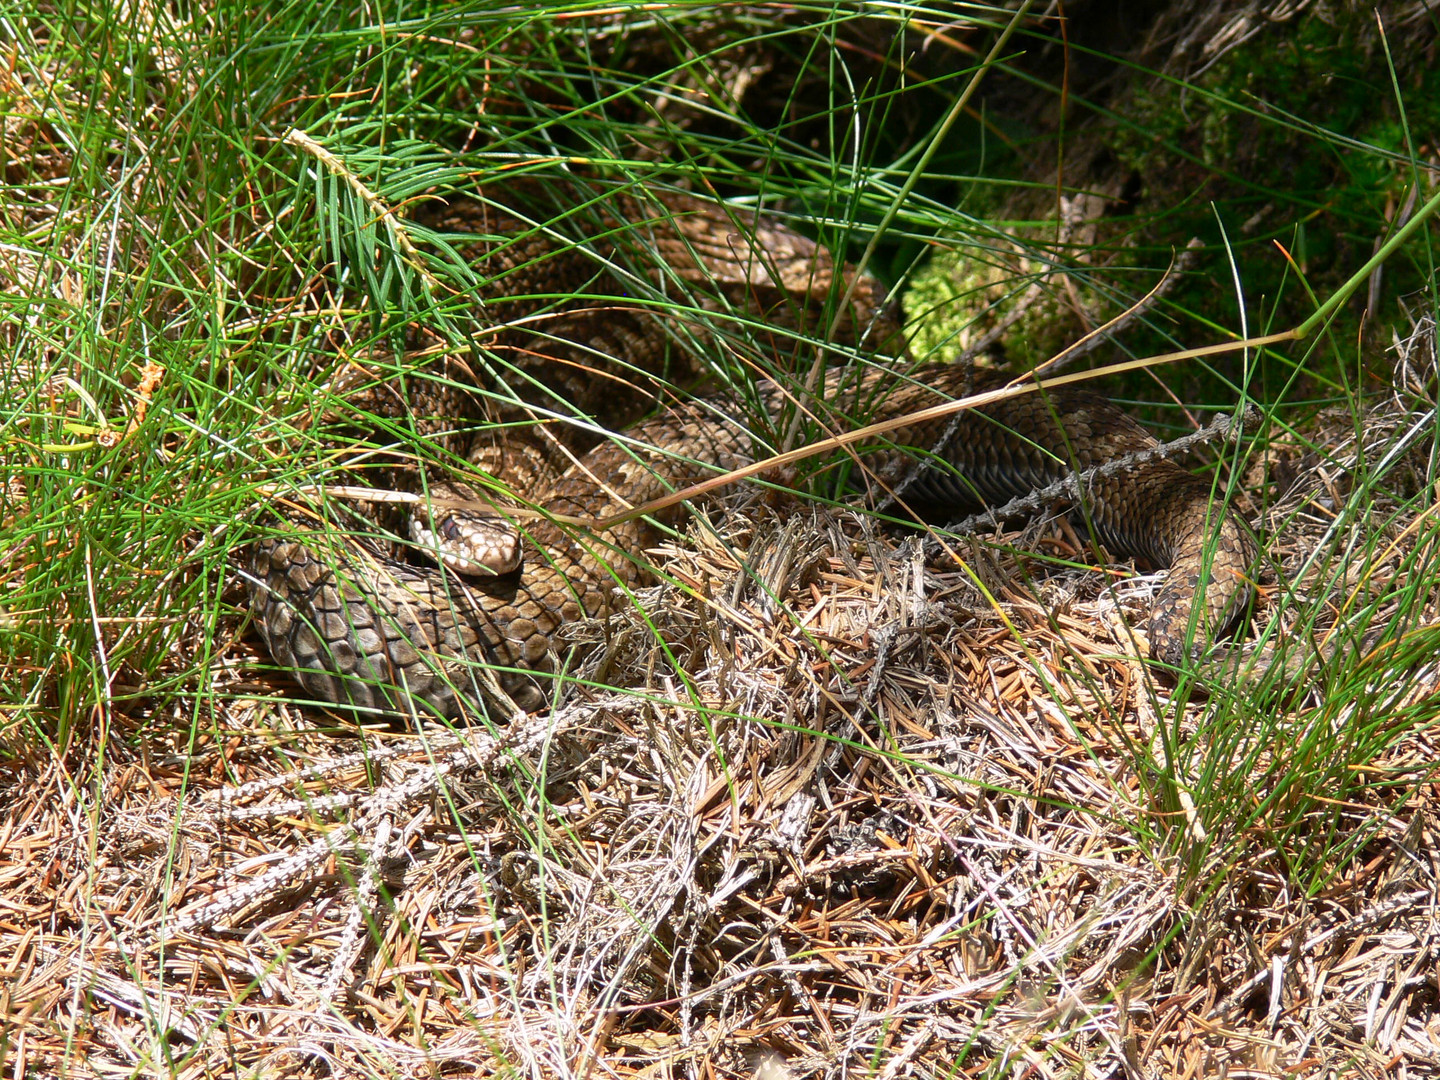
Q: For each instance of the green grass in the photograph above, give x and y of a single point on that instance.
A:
(153, 214)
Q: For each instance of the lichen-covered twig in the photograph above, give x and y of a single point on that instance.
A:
(1071, 488)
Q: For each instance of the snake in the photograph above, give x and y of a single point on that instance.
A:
(466, 621)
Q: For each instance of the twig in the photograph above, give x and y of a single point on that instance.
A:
(1093, 340)
(1071, 487)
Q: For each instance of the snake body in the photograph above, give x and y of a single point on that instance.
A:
(360, 627)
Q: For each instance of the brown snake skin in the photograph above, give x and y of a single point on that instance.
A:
(386, 635)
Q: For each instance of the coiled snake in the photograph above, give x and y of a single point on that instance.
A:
(387, 633)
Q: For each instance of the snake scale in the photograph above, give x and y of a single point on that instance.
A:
(579, 323)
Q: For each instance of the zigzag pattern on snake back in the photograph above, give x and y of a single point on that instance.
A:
(388, 633)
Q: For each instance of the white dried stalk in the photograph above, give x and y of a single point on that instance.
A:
(1070, 487)
(411, 785)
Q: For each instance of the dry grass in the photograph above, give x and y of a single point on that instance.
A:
(858, 819)
(865, 811)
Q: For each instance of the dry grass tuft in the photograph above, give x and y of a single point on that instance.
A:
(858, 818)
(869, 805)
